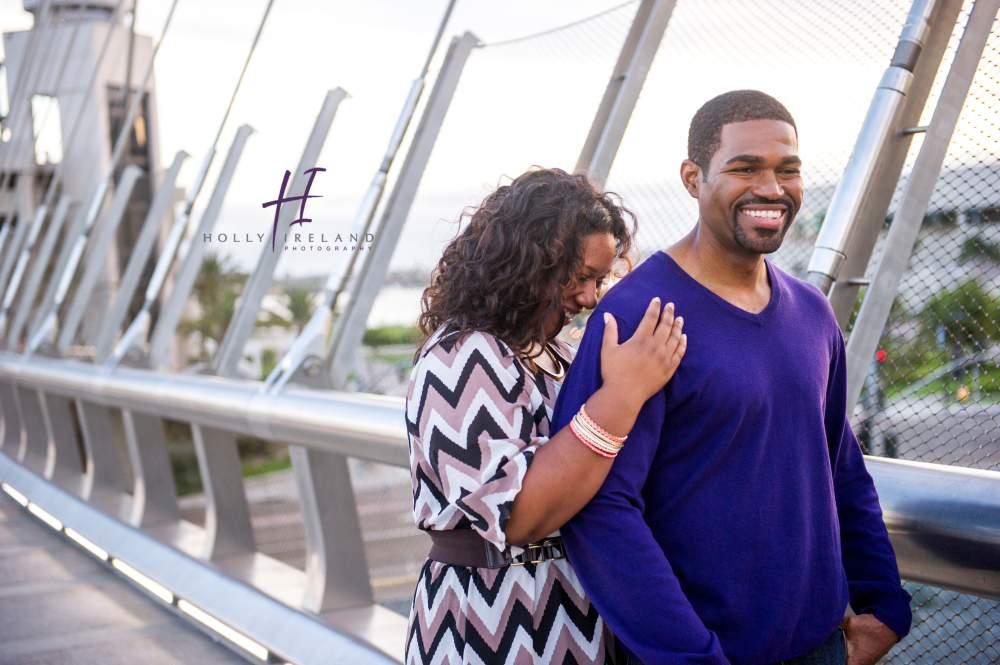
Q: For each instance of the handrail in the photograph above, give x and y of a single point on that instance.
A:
(369, 427)
(944, 521)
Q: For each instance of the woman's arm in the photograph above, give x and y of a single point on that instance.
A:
(565, 474)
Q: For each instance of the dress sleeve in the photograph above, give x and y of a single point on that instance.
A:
(869, 560)
(612, 550)
(472, 429)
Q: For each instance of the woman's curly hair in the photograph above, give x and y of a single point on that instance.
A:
(505, 271)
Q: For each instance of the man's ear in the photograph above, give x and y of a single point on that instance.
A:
(691, 177)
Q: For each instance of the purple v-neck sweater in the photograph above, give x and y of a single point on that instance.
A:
(739, 519)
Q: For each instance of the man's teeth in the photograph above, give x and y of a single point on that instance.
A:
(764, 214)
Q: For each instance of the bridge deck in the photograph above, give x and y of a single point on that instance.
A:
(59, 605)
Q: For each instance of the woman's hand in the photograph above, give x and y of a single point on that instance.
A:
(565, 474)
(639, 368)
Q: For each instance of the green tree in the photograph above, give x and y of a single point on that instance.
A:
(964, 319)
(268, 361)
(299, 303)
(217, 287)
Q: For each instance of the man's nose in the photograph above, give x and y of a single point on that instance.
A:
(767, 186)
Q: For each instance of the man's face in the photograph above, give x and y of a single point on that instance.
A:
(753, 187)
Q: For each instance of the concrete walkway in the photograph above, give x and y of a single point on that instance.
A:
(60, 605)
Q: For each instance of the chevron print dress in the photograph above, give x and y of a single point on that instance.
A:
(475, 417)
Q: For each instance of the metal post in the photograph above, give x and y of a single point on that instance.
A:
(350, 326)
(22, 203)
(35, 443)
(103, 481)
(623, 89)
(34, 280)
(245, 318)
(96, 258)
(154, 494)
(857, 209)
(227, 515)
(138, 259)
(906, 223)
(20, 104)
(170, 313)
(303, 363)
(63, 466)
(49, 297)
(336, 566)
(11, 419)
(29, 174)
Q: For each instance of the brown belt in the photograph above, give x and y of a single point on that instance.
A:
(465, 547)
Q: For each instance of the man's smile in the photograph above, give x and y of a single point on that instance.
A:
(766, 216)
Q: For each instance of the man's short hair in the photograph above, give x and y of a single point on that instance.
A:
(705, 133)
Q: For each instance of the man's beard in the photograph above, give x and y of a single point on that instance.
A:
(763, 241)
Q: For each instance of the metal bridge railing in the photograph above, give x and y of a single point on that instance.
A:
(299, 567)
(939, 540)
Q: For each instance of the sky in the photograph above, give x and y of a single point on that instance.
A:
(518, 104)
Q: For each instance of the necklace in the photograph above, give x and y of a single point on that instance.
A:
(557, 361)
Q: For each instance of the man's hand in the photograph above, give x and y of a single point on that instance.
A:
(868, 639)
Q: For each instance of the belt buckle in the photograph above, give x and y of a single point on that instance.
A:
(548, 549)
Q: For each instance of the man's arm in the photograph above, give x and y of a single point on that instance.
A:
(868, 557)
(613, 552)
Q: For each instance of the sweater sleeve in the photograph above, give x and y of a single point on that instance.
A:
(869, 560)
(612, 550)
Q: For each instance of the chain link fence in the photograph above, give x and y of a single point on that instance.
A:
(933, 391)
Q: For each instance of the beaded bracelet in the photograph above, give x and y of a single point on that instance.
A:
(598, 429)
(595, 438)
(585, 441)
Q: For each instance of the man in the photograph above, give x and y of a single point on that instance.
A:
(739, 520)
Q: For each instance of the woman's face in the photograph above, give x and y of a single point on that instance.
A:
(598, 260)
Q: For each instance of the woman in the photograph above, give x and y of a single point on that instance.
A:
(491, 483)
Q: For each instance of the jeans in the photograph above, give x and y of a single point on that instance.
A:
(831, 652)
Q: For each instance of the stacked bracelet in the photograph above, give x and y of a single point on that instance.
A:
(587, 441)
(594, 437)
(597, 428)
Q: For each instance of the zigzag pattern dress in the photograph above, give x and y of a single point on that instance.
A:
(475, 417)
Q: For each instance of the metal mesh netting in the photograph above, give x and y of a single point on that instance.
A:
(518, 90)
(824, 68)
(517, 105)
(933, 394)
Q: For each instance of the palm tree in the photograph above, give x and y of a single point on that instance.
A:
(217, 287)
(300, 305)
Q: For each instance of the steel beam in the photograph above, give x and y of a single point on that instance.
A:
(11, 440)
(857, 210)
(227, 515)
(35, 444)
(170, 313)
(906, 222)
(63, 466)
(622, 93)
(350, 327)
(103, 481)
(336, 566)
(154, 494)
(96, 264)
(138, 259)
(245, 317)
(23, 216)
(74, 231)
(38, 266)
